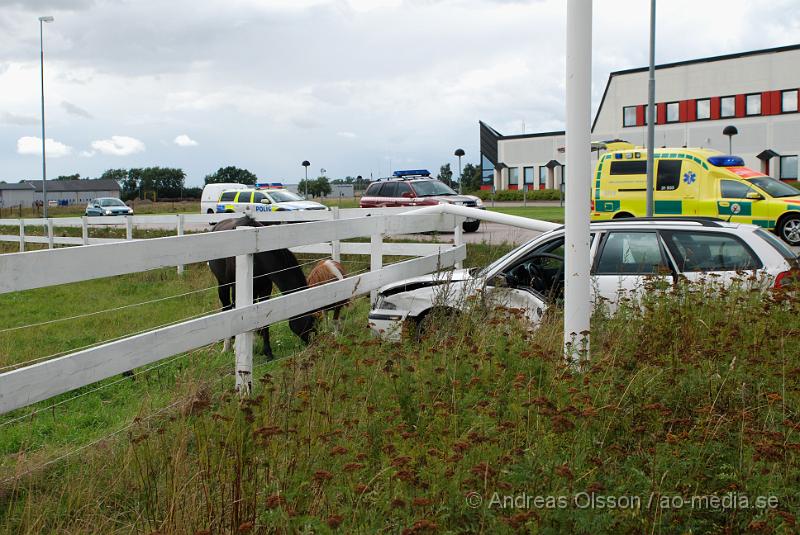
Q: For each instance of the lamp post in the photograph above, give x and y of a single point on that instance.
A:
(42, 20)
(305, 164)
(460, 153)
(730, 131)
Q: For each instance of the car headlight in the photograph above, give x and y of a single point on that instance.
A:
(107, 212)
(478, 202)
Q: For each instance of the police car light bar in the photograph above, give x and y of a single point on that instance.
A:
(726, 160)
(412, 172)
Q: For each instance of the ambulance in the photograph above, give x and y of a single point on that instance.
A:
(694, 182)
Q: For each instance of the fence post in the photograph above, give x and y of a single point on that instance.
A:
(244, 341)
(375, 259)
(336, 245)
(128, 227)
(85, 230)
(180, 233)
(21, 235)
(49, 233)
(458, 239)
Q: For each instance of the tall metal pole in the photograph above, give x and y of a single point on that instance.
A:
(651, 119)
(460, 176)
(42, 20)
(577, 307)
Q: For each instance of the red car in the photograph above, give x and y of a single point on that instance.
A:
(416, 188)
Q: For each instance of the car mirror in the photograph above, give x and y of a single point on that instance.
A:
(754, 195)
(265, 201)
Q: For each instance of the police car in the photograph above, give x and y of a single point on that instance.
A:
(263, 200)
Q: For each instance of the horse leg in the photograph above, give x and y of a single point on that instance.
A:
(262, 290)
(336, 323)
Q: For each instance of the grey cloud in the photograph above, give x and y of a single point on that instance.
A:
(8, 117)
(77, 111)
(57, 5)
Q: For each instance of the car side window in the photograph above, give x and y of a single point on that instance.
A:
(402, 189)
(258, 197)
(733, 189)
(373, 190)
(668, 177)
(228, 196)
(245, 196)
(698, 251)
(631, 252)
(389, 189)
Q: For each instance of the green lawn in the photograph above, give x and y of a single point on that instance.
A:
(546, 213)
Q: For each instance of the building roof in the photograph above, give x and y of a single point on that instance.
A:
(103, 184)
(708, 59)
(19, 186)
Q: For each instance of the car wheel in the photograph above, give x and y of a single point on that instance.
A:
(789, 229)
(471, 226)
(209, 211)
(622, 215)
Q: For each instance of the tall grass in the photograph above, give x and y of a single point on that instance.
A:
(687, 394)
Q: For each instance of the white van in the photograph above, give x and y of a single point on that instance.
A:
(211, 193)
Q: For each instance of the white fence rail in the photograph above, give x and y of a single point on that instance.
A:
(37, 269)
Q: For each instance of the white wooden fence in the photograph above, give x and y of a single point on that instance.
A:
(37, 269)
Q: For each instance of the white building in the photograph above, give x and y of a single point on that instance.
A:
(756, 92)
(75, 191)
(14, 195)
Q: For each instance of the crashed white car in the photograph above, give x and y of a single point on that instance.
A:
(624, 255)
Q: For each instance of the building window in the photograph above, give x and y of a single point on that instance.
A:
(753, 104)
(629, 116)
(542, 176)
(673, 112)
(527, 175)
(704, 109)
(789, 167)
(789, 101)
(727, 107)
(487, 173)
(513, 176)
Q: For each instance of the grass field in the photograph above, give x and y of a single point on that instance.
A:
(546, 213)
(688, 395)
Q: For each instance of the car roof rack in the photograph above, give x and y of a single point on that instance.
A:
(703, 220)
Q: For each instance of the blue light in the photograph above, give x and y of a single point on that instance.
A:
(726, 160)
(618, 156)
(412, 172)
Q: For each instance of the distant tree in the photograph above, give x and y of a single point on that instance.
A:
(446, 174)
(192, 193)
(231, 174)
(315, 187)
(76, 176)
(115, 174)
(471, 178)
(323, 187)
(150, 182)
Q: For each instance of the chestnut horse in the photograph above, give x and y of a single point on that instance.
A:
(277, 267)
(327, 271)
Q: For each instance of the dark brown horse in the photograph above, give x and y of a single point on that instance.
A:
(277, 267)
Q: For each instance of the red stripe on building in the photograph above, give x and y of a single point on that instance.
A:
(661, 113)
(485, 187)
(739, 105)
(715, 107)
(683, 111)
(691, 104)
(640, 115)
(513, 187)
(766, 104)
(775, 97)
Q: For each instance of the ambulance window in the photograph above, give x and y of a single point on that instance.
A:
(668, 177)
(228, 196)
(631, 253)
(733, 189)
(630, 167)
(705, 251)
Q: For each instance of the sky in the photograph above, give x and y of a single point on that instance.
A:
(357, 87)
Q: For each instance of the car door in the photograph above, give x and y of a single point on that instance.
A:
(718, 257)
(262, 202)
(387, 195)
(733, 204)
(404, 196)
(627, 263)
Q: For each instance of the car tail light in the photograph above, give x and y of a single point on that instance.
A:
(787, 278)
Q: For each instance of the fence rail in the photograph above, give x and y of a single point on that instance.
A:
(38, 269)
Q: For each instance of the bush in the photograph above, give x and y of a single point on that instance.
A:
(517, 195)
(795, 184)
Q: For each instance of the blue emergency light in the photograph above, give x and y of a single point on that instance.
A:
(412, 172)
(726, 160)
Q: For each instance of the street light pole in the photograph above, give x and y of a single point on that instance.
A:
(42, 20)
(651, 116)
(305, 164)
(460, 153)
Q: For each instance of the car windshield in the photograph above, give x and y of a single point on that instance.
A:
(506, 256)
(429, 188)
(110, 202)
(774, 187)
(284, 195)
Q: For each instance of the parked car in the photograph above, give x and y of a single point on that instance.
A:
(417, 188)
(625, 255)
(211, 193)
(265, 200)
(107, 206)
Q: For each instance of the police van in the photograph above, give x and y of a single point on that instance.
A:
(263, 200)
(694, 182)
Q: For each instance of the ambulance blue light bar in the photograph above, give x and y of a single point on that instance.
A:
(726, 161)
(412, 172)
